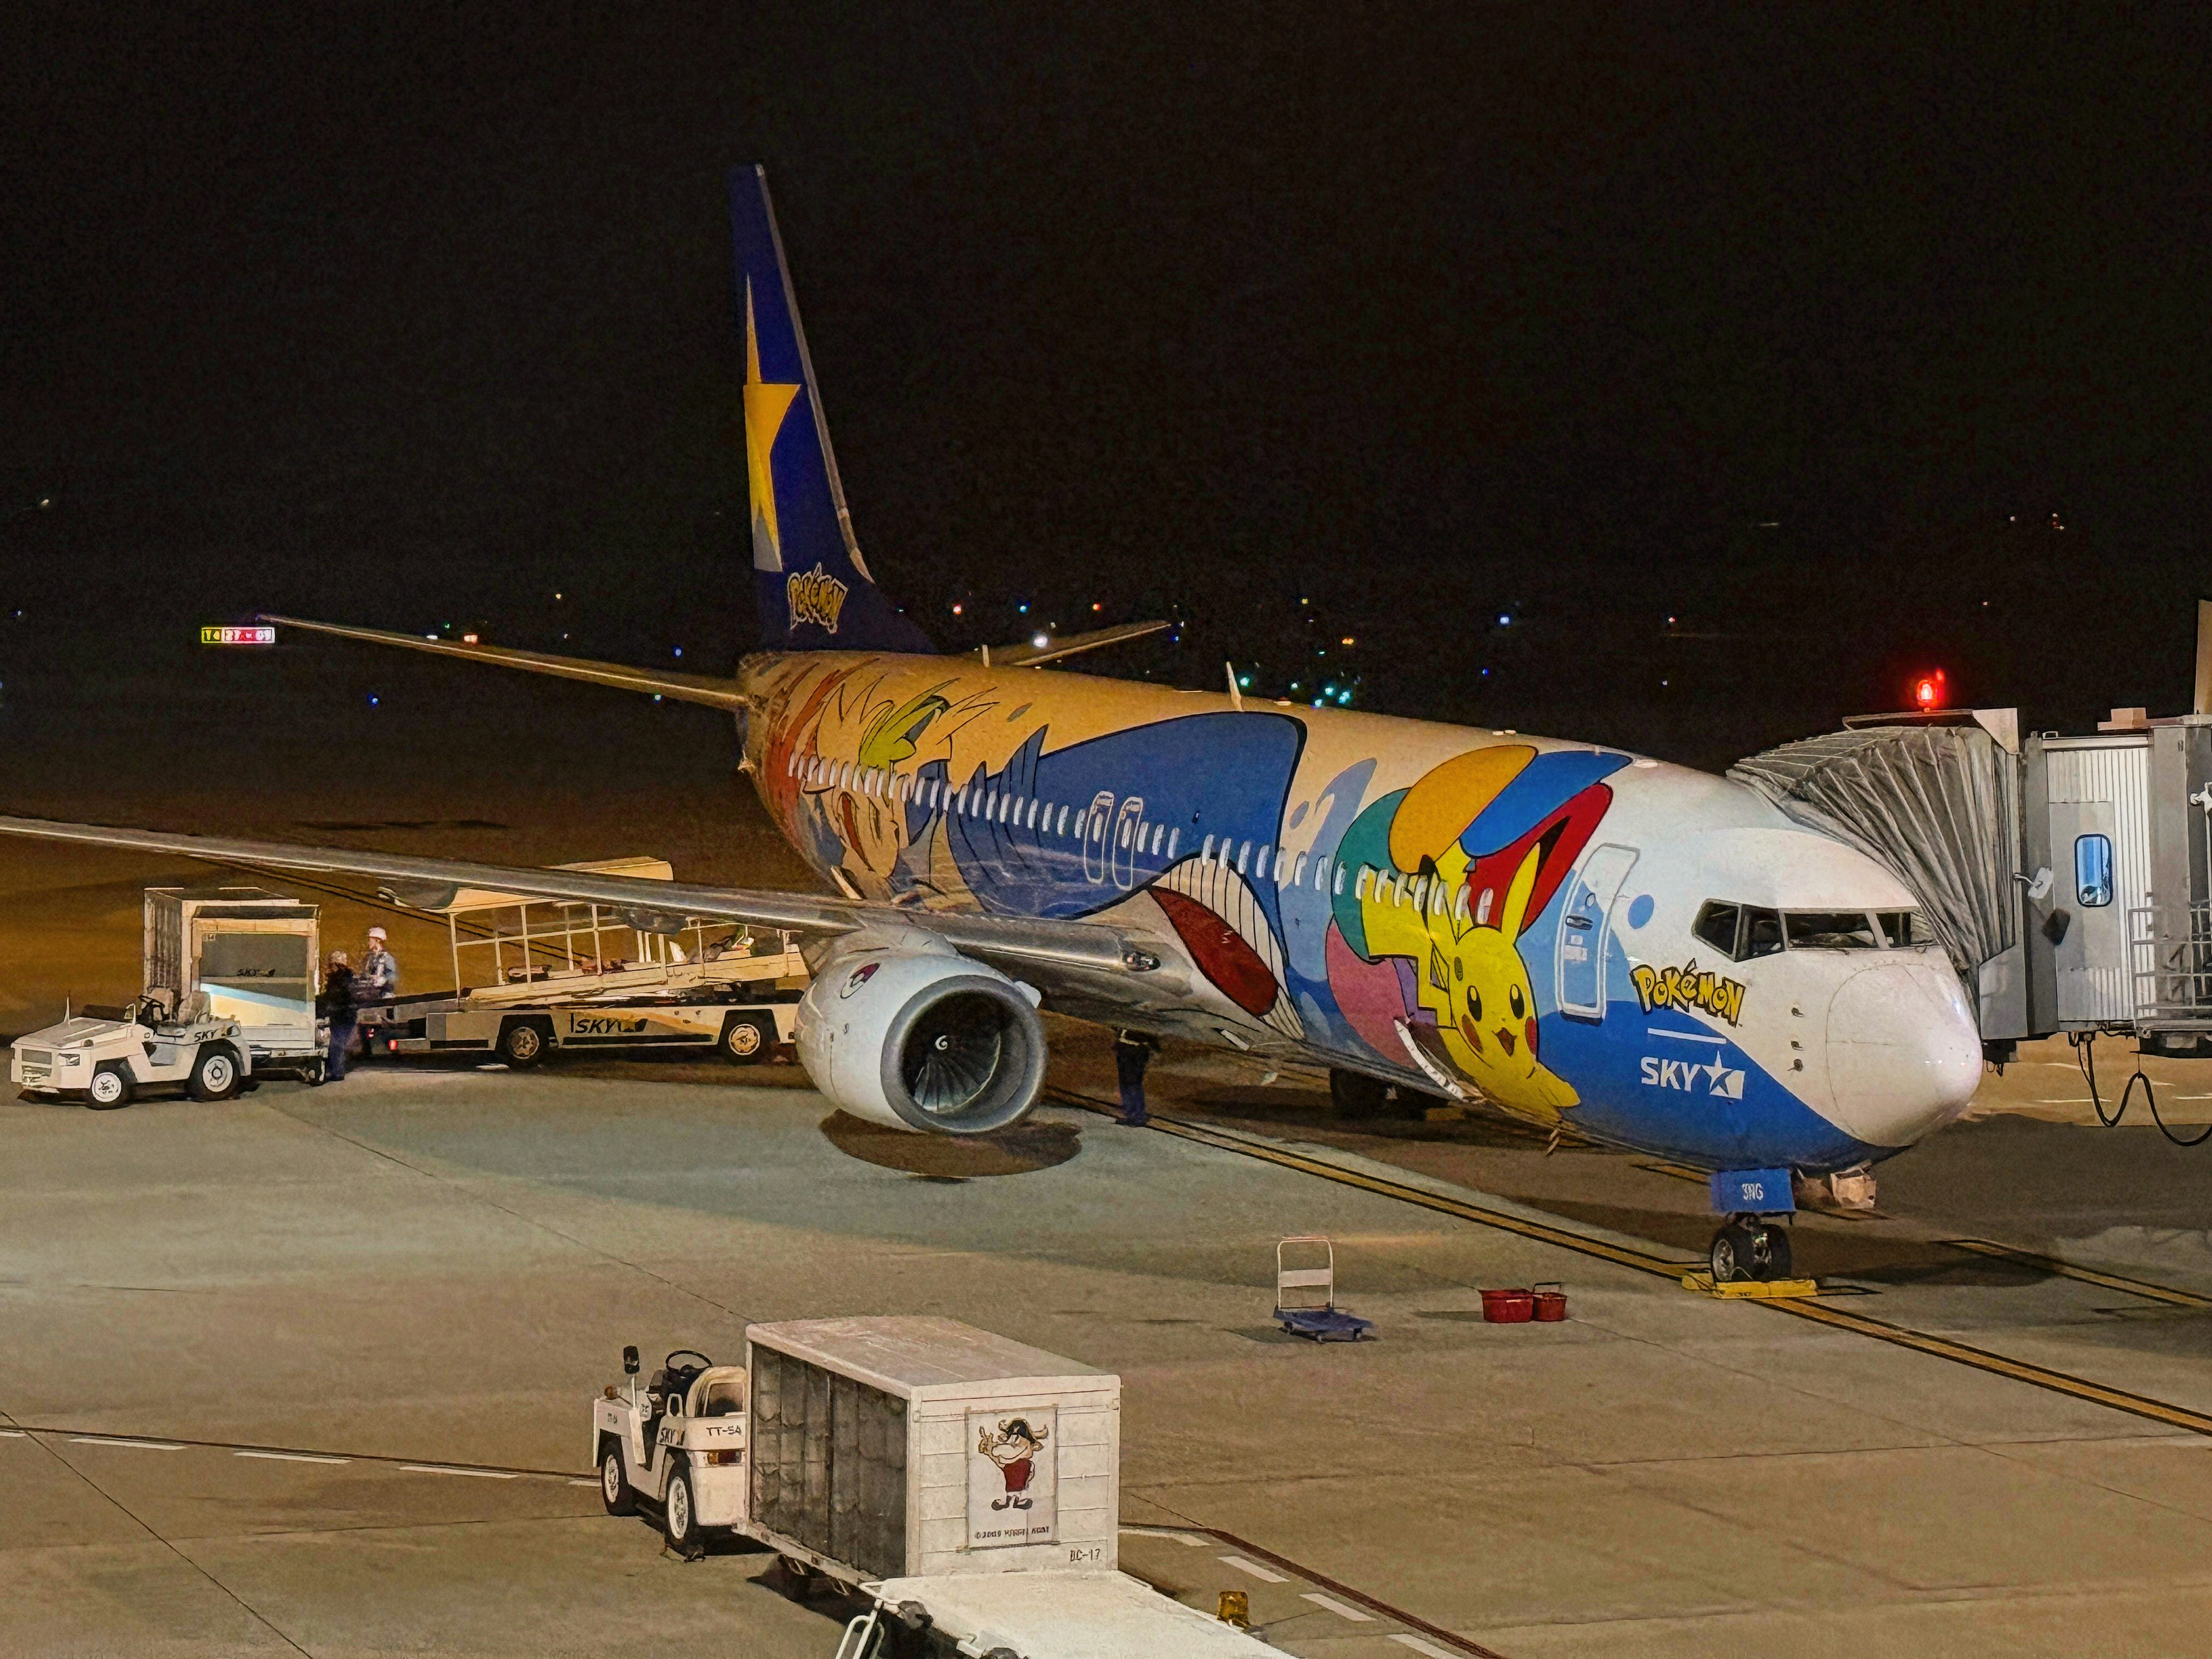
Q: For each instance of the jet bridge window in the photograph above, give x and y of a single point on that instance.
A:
(2093, 871)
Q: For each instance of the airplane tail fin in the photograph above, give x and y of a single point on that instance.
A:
(814, 588)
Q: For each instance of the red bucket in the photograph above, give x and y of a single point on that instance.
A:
(1509, 1307)
(1551, 1303)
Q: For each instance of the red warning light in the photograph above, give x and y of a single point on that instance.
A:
(1928, 690)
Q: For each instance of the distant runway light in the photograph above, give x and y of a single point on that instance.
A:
(1505, 621)
(956, 609)
(679, 650)
(1098, 607)
(1346, 639)
(373, 700)
(468, 639)
(1040, 640)
(1025, 611)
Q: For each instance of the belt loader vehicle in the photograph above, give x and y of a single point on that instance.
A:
(536, 977)
(967, 1484)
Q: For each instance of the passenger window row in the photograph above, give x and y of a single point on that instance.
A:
(1742, 932)
(991, 804)
(1132, 835)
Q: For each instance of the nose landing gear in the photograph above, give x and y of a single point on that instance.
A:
(1750, 1246)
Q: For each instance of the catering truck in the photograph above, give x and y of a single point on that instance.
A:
(535, 977)
(967, 1484)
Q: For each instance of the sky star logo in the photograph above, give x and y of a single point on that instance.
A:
(1690, 1078)
(815, 597)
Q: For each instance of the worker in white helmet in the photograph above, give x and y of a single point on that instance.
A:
(378, 977)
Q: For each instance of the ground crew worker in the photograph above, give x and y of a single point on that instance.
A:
(1133, 1052)
(380, 973)
(335, 1005)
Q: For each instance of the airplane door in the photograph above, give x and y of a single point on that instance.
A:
(1127, 829)
(1094, 832)
(1585, 926)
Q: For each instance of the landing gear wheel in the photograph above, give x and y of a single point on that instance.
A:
(746, 1039)
(523, 1043)
(1770, 1247)
(215, 1075)
(614, 1485)
(1731, 1253)
(679, 1520)
(110, 1088)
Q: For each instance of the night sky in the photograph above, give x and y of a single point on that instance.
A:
(1856, 342)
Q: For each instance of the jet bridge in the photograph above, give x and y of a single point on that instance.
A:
(2068, 877)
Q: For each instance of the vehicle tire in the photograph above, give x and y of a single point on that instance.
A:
(1358, 1097)
(314, 1074)
(216, 1073)
(747, 1039)
(679, 1516)
(524, 1042)
(1731, 1254)
(1770, 1253)
(615, 1490)
(110, 1088)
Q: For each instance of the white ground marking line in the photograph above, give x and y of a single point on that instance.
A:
(584, 1480)
(1337, 1607)
(439, 1469)
(1253, 1568)
(138, 1445)
(292, 1457)
(11, 1434)
(1421, 1646)
(1190, 1539)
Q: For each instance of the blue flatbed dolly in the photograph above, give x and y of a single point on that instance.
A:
(1296, 1310)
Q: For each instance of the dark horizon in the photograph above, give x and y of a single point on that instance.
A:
(1859, 344)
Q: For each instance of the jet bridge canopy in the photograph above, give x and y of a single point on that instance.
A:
(1939, 806)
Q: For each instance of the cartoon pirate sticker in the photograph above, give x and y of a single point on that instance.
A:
(1013, 1448)
(1011, 1477)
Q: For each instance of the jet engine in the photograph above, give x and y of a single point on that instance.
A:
(910, 1034)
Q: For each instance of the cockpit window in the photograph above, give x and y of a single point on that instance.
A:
(1739, 932)
(1716, 924)
(1831, 930)
(1903, 928)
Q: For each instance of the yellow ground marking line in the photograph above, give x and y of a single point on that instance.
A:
(1997, 1364)
(1641, 1261)
(2052, 1264)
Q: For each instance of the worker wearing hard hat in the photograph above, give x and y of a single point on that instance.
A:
(378, 977)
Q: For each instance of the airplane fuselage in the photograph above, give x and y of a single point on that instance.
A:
(1649, 955)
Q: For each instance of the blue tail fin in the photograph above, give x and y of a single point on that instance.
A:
(814, 588)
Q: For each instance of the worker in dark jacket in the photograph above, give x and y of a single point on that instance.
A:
(1132, 1053)
(336, 1005)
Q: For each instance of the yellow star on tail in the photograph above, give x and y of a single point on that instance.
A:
(766, 404)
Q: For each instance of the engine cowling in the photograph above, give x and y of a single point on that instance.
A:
(912, 1035)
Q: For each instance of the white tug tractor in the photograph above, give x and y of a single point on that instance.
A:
(680, 1446)
(229, 998)
(105, 1057)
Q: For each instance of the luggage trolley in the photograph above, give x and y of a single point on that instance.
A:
(1296, 1288)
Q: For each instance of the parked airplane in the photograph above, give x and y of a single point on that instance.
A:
(1649, 956)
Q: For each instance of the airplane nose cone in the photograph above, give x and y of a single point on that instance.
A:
(1904, 1055)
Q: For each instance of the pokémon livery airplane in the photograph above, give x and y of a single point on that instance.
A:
(1644, 955)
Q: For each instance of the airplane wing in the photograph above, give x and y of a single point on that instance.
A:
(1029, 654)
(661, 682)
(1077, 954)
